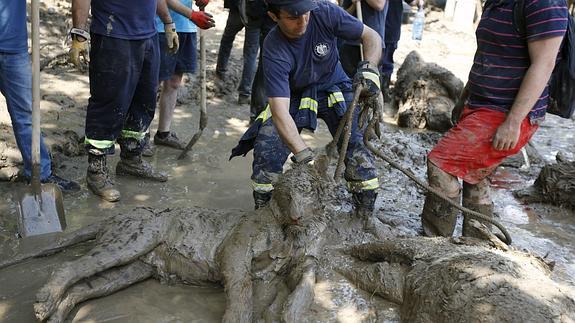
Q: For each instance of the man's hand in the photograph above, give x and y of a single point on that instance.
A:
(202, 19)
(369, 78)
(202, 3)
(78, 54)
(172, 37)
(507, 135)
(303, 157)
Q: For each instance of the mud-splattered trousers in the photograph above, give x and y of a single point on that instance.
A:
(123, 84)
(270, 152)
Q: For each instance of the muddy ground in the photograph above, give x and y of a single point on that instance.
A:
(207, 178)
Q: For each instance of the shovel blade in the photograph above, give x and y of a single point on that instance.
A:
(41, 212)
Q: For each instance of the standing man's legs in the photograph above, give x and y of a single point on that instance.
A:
(251, 46)
(233, 25)
(439, 217)
(172, 69)
(16, 86)
(140, 114)
(387, 66)
(168, 99)
(466, 152)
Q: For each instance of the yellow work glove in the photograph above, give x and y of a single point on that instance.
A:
(79, 52)
(172, 37)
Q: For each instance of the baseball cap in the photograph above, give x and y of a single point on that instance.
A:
(294, 8)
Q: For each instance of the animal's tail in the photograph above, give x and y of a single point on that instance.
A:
(81, 235)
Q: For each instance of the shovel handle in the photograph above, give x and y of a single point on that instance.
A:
(359, 14)
(35, 18)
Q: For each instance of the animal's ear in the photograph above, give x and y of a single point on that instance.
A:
(321, 165)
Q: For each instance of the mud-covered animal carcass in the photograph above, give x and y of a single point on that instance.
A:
(425, 94)
(271, 261)
(555, 184)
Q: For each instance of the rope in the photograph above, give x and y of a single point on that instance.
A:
(370, 133)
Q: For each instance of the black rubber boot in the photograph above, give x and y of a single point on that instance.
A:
(136, 166)
(364, 203)
(485, 209)
(262, 199)
(98, 178)
(438, 217)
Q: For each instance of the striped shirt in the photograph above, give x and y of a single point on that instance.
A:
(502, 56)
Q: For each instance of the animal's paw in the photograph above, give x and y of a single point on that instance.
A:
(44, 305)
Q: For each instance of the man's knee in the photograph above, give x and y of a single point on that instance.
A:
(438, 178)
(479, 193)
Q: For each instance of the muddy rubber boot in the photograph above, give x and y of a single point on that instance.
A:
(485, 209)
(98, 179)
(262, 199)
(136, 166)
(438, 217)
(364, 203)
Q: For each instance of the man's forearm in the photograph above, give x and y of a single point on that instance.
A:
(543, 55)
(371, 46)
(163, 12)
(285, 125)
(180, 8)
(80, 11)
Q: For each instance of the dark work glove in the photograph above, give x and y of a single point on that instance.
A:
(368, 77)
(303, 157)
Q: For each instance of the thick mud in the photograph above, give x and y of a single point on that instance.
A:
(207, 179)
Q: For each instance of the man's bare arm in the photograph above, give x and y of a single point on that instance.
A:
(542, 54)
(377, 5)
(80, 11)
(163, 12)
(371, 46)
(285, 125)
(178, 7)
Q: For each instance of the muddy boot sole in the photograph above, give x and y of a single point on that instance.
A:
(145, 172)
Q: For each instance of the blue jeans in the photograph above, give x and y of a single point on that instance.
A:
(16, 86)
(251, 45)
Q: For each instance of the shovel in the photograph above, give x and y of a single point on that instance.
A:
(41, 209)
(203, 97)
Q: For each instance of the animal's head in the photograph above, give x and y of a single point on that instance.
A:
(302, 199)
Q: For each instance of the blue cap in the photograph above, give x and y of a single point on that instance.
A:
(294, 8)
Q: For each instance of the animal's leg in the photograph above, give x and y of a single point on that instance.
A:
(120, 247)
(235, 258)
(84, 234)
(101, 285)
(383, 278)
(302, 296)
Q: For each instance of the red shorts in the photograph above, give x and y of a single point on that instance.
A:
(465, 150)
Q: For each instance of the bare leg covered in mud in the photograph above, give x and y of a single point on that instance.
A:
(439, 217)
(476, 197)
